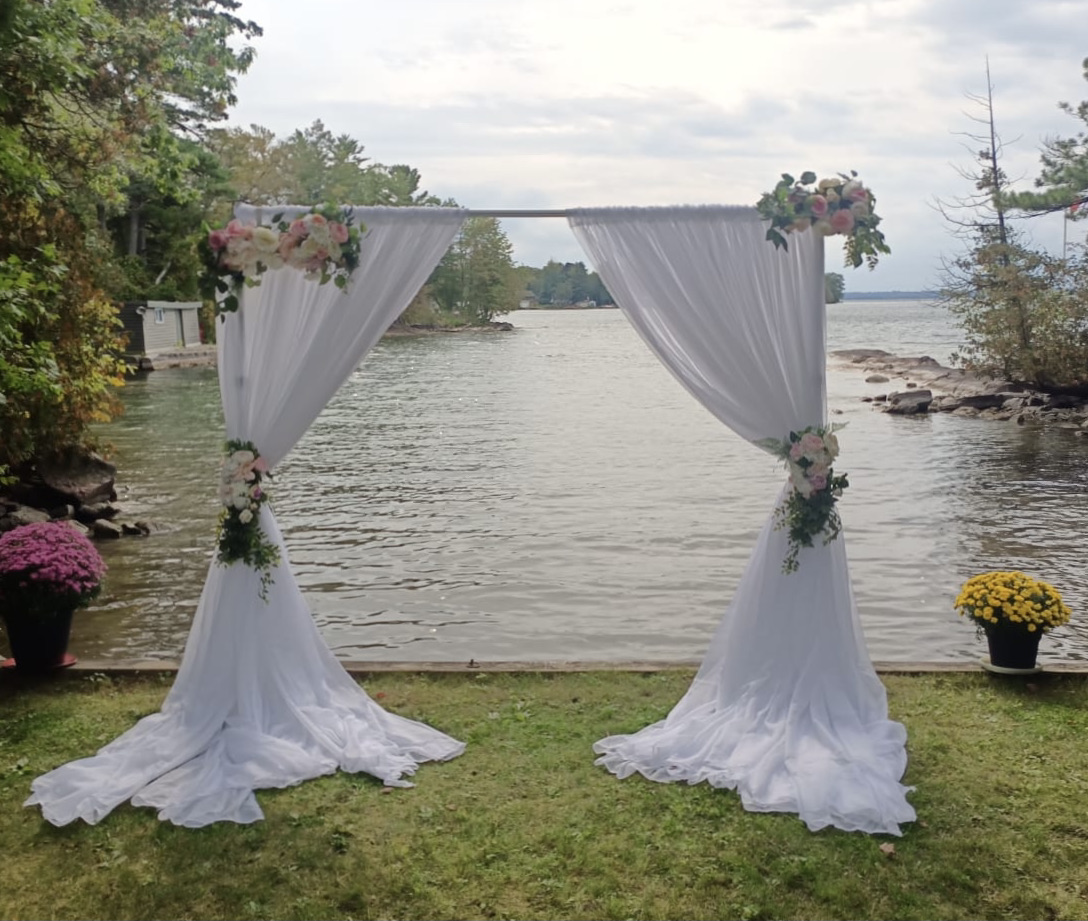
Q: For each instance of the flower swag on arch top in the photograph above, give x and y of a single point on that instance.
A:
(830, 207)
(323, 243)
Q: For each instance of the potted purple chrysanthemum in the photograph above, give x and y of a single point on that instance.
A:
(47, 571)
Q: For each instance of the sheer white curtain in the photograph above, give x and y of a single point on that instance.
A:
(260, 701)
(786, 708)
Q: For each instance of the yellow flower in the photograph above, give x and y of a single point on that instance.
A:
(1012, 597)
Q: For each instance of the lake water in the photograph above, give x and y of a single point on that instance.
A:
(552, 493)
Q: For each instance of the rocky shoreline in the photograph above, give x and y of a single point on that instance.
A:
(78, 488)
(923, 385)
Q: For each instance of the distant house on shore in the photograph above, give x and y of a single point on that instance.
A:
(154, 327)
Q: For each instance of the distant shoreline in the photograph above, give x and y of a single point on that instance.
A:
(890, 296)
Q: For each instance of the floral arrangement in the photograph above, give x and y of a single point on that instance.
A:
(810, 507)
(831, 206)
(239, 534)
(323, 243)
(1011, 601)
(46, 568)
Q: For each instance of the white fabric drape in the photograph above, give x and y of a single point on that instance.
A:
(786, 707)
(260, 701)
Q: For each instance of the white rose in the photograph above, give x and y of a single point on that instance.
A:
(245, 516)
(308, 249)
(823, 228)
(241, 502)
(319, 233)
(265, 239)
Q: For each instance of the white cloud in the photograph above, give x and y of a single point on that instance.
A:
(575, 102)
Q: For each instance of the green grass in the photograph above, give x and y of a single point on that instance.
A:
(524, 826)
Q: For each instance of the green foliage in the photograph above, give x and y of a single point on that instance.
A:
(1064, 175)
(59, 343)
(101, 185)
(1023, 312)
(476, 277)
(29, 376)
(310, 167)
(566, 283)
(834, 287)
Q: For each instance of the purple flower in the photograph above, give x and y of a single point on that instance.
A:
(48, 564)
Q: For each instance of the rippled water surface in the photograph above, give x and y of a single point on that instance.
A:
(553, 493)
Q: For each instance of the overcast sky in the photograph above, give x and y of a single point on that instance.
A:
(565, 103)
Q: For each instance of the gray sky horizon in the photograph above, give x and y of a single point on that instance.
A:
(511, 105)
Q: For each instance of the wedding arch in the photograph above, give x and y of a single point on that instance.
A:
(786, 707)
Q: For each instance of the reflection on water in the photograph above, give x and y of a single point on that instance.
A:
(552, 493)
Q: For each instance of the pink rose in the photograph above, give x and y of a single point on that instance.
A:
(817, 205)
(237, 229)
(796, 451)
(842, 221)
(811, 442)
(819, 481)
(298, 229)
(318, 220)
(338, 233)
(217, 239)
(261, 465)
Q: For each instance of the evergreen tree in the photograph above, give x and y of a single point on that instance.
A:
(476, 278)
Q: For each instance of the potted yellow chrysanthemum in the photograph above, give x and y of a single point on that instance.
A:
(1013, 610)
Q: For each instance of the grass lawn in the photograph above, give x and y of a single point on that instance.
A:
(524, 826)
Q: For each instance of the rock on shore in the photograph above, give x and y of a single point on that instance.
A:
(77, 487)
(928, 387)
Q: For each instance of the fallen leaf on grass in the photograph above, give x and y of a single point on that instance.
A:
(887, 849)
